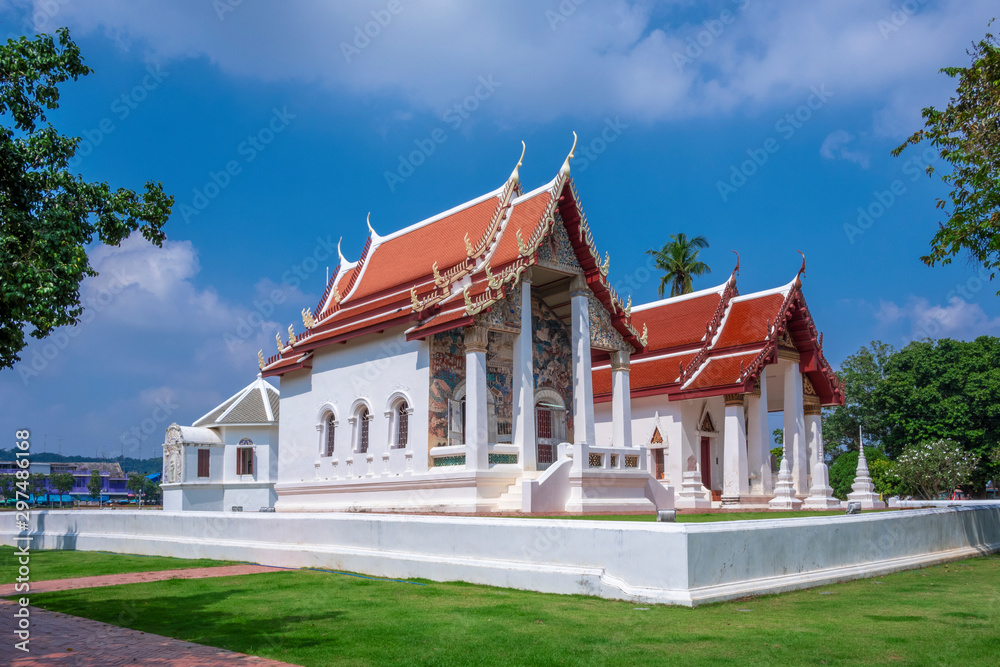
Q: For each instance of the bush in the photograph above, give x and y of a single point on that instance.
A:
(928, 469)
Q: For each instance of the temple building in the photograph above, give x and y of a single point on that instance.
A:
(228, 458)
(480, 361)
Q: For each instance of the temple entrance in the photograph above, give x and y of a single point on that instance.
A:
(658, 463)
(550, 426)
(706, 462)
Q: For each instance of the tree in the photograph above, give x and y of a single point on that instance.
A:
(152, 492)
(844, 469)
(678, 259)
(49, 216)
(95, 485)
(929, 468)
(944, 389)
(861, 374)
(39, 484)
(62, 483)
(7, 486)
(136, 484)
(967, 135)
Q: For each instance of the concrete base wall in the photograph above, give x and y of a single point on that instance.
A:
(685, 564)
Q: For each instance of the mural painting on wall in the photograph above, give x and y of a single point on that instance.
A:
(447, 369)
(499, 372)
(553, 355)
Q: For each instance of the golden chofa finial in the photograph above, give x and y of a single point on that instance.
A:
(260, 359)
(308, 321)
(291, 335)
(514, 176)
(469, 250)
(277, 339)
(565, 168)
(368, 222)
(798, 276)
(340, 254)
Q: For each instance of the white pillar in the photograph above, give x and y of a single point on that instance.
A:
(759, 455)
(621, 400)
(524, 382)
(795, 428)
(583, 390)
(476, 422)
(734, 456)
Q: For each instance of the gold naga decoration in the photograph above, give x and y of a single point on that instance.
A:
(277, 339)
(414, 301)
(336, 296)
(260, 359)
(521, 246)
(308, 321)
(644, 338)
(628, 307)
(492, 281)
(607, 264)
(469, 250)
(468, 300)
(291, 334)
(438, 278)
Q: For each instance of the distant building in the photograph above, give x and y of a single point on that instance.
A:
(226, 459)
(113, 480)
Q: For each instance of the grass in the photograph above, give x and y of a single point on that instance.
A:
(47, 565)
(948, 614)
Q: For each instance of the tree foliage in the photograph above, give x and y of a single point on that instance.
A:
(929, 468)
(967, 135)
(95, 485)
(861, 374)
(678, 259)
(47, 214)
(62, 482)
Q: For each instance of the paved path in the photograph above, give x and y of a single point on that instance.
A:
(59, 639)
(136, 578)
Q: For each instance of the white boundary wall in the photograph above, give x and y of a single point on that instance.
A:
(685, 564)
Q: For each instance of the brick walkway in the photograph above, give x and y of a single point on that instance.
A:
(59, 639)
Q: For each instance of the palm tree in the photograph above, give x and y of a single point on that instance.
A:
(678, 259)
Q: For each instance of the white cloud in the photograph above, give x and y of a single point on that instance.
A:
(835, 146)
(919, 318)
(615, 57)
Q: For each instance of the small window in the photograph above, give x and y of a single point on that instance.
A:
(244, 461)
(402, 424)
(331, 432)
(363, 440)
(203, 470)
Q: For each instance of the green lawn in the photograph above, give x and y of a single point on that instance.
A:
(947, 614)
(68, 564)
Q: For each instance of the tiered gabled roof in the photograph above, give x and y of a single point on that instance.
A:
(256, 403)
(717, 342)
(440, 273)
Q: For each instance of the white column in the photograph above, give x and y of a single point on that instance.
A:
(814, 436)
(476, 423)
(734, 456)
(759, 454)
(795, 428)
(583, 390)
(524, 382)
(621, 400)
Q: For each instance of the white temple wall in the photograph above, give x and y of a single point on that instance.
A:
(374, 371)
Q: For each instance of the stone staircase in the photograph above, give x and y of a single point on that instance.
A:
(510, 500)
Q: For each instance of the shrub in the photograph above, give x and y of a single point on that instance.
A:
(929, 468)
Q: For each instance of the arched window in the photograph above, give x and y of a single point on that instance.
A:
(402, 424)
(363, 439)
(331, 433)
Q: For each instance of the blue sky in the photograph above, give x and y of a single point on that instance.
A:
(765, 126)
